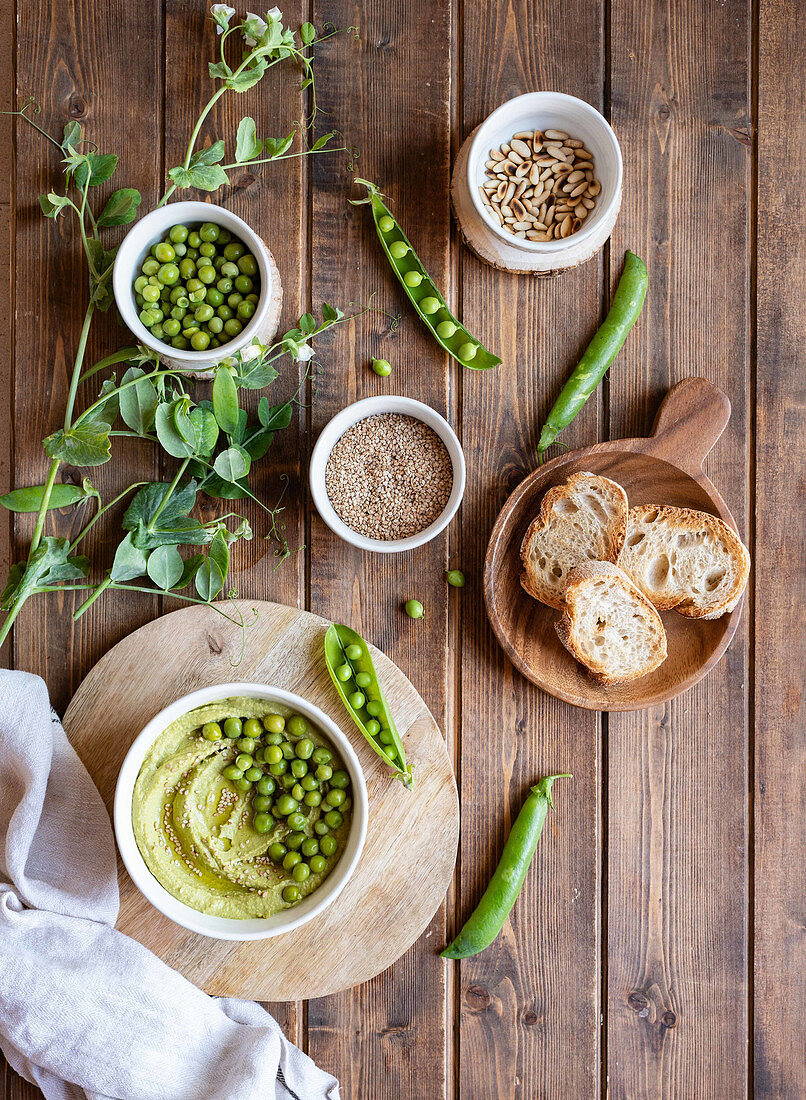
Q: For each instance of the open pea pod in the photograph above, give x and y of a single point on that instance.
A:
(347, 656)
(419, 286)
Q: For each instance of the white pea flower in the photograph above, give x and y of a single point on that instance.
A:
(252, 351)
(254, 27)
(302, 353)
(221, 14)
(275, 14)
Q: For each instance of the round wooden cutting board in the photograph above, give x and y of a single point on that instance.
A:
(412, 837)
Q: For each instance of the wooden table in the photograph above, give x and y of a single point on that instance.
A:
(658, 947)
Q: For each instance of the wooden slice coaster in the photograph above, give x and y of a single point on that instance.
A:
(410, 850)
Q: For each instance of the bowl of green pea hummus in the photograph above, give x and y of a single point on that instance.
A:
(241, 811)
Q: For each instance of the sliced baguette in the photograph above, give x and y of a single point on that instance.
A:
(583, 520)
(683, 559)
(609, 626)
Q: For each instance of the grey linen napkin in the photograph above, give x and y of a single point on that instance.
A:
(84, 1010)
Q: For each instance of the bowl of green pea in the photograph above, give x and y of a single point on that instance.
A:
(241, 811)
(193, 282)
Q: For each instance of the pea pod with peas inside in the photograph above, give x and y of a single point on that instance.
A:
(487, 919)
(419, 286)
(353, 674)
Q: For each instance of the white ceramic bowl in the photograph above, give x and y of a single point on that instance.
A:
(335, 429)
(226, 928)
(136, 246)
(557, 111)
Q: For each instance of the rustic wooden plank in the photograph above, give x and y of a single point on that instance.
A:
(78, 61)
(780, 713)
(271, 198)
(7, 250)
(677, 870)
(389, 93)
(534, 995)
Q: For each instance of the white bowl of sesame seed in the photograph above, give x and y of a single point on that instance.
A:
(387, 474)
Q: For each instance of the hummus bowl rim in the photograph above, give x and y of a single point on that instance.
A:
(234, 928)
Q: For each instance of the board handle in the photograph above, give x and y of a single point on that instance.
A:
(692, 417)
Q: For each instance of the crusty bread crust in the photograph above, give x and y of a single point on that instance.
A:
(586, 592)
(700, 564)
(607, 547)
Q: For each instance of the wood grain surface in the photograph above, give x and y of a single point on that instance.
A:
(282, 647)
(658, 950)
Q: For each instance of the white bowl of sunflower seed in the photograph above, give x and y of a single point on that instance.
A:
(544, 173)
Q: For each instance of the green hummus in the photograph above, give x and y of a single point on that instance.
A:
(194, 829)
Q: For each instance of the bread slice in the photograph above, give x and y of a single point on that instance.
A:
(609, 626)
(583, 520)
(686, 560)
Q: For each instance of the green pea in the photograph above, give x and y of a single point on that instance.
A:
(180, 249)
(288, 750)
(233, 727)
(467, 350)
(304, 749)
(312, 798)
(275, 813)
(346, 805)
(157, 332)
(253, 774)
(291, 894)
(211, 731)
(261, 803)
(243, 784)
(203, 313)
(414, 609)
(374, 707)
(455, 578)
(385, 737)
(297, 821)
(334, 819)
(317, 864)
(178, 233)
(146, 318)
(209, 231)
(286, 804)
(340, 780)
(224, 312)
(247, 744)
(243, 284)
(357, 700)
(206, 274)
(232, 327)
(216, 325)
(412, 278)
(372, 726)
(214, 297)
(224, 286)
(150, 267)
(321, 828)
(263, 823)
(398, 249)
(309, 782)
(171, 327)
(363, 679)
(273, 739)
(164, 252)
(180, 342)
(246, 310)
(274, 723)
(243, 761)
(277, 851)
(334, 798)
(321, 755)
(294, 841)
(140, 282)
(298, 792)
(429, 305)
(266, 785)
(247, 264)
(323, 772)
(151, 293)
(168, 274)
(229, 269)
(287, 780)
(192, 253)
(273, 754)
(297, 726)
(344, 672)
(290, 860)
(382, 367)
(301, 872)
(446, 329)
(233, 250)
(280, 767)
(299, 768)
(386, 223)
(328, 845)
(310, 847)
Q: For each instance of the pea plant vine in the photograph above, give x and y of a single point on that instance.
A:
(214, 441)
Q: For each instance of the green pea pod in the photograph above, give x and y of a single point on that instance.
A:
(628, 301)
(420, 288)
(487, 920)
(62, 495)
(337, 640)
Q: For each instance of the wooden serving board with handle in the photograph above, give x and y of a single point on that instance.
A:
(410, 850)
(663, 468)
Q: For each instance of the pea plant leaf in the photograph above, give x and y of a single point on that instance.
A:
(274, 417)
(50, 563)
(219, 70)
(85, 444)
(204, 431)
(53, 204)
(138, 403)
(190, 568)
(130, 561)
(275, 147)
(211, 154)
(257, 441)
(121, 207)
(167, 432)
(307, 33)
(165, 566)
(148, 502)
(203, 176)
(218, 551)
(98, 166)
(176, 531)
(255, 374)
(232, 464)
(225, 401)
(249, 77)
(73, 136)
(331, 313)
(247, 144)
(209, 580)
(321, 142)
(30, 499)
(216, 487)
